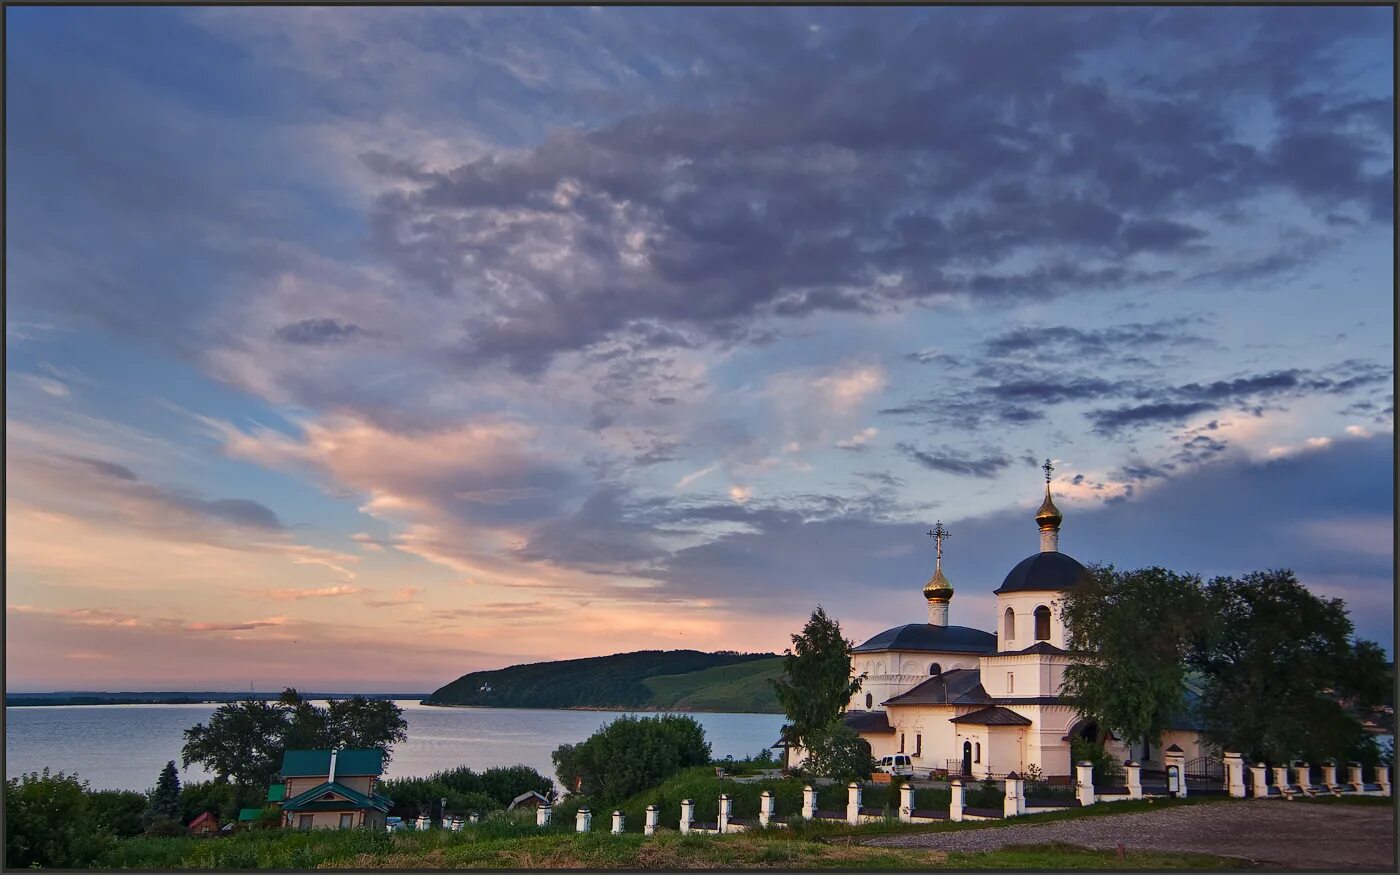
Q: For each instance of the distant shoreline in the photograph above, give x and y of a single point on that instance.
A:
(179, 697)
(618, 708)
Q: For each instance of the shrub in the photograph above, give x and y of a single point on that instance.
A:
(47, 822)
(1107, 769)
(988, 794)
(631, 754)
(838, 752)
(165, 826)
(118, 812)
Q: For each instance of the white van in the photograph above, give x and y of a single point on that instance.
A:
(898, 764)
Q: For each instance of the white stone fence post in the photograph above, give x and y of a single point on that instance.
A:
(1329, 774)
(1176, 757)
(649, 825)
(1354, 777)
(1014, 800)
(1234, 774)
(583, 821)
(724, 809)
(1281, 779)
(617, 823)
(765, 808)
(687, 816)
(956, 800)
(1259, 777)
(1132, 777)
(853, 803)
(1304, 774)
(809, 802)
(1383, 778)
(1084, 783)
(543, 814)
(906, 803)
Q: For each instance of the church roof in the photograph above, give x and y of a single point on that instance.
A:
(1039, 648)
(958, 686)
(1049, 570)
(937, 639)
(993, 716)
(868, 721)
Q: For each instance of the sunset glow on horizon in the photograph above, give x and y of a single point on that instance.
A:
(356, 349)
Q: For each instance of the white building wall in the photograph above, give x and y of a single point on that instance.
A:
(1023, 604)
(891, 672)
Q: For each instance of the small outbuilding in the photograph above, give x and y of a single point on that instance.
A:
(207, 824)
(529, 800)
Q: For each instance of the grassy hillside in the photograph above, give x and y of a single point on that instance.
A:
(617, 681)
(739, 687)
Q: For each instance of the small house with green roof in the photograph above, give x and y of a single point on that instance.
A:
(333, 789)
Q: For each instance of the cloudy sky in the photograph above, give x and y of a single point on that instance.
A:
(360, 348)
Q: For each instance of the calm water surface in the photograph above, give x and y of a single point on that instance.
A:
(124, 747)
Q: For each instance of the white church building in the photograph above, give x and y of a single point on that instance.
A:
(982, 703)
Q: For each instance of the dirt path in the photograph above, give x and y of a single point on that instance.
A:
(1276, 834)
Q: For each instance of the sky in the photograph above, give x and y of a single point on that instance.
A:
(357, 349)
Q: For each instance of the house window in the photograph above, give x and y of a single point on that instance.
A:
(918, 745)
(901, 742)
(1042, 623)
(869, 700)
(935, 669)
(977, 753)
(304, 821)
(347, 821)
(1009, 625)
(1010, 682)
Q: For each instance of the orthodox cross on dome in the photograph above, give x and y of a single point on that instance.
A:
(938, 533)
(1047, 468)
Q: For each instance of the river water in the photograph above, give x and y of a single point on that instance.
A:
(124, 747)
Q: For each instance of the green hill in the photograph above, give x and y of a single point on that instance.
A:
(741, 687)
(681, 680)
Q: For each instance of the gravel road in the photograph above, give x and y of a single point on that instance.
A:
(1272, 833)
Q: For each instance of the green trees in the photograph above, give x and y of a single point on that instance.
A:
(1282, 675)
(244, 741)
(47, 822)
(165, 799)
(1134, 631)
(466, 791)
(816, 681)
(631, 754)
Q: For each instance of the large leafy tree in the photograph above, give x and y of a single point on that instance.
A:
(631, 754)
(1132, 631)
(48, 822)
(243, 742)
(816, 681)
(1282, 675)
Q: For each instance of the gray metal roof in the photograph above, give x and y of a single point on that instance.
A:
(958, 686)
(1050, 570)
(868, 721)
(992, 716)
(937, 639)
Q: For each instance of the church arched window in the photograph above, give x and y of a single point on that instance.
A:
(1042, 623)
(935, 669)
(1009, 625)
(977, 753)
(869, 700)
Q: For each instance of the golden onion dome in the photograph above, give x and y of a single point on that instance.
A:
(938, 589)
(1049, 516)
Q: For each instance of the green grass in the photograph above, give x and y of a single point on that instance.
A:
(741, 687)
(492, 848)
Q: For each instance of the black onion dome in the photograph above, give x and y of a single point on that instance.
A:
(1050, 570)
(937, 639)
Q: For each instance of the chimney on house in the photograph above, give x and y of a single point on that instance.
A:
(331, 778)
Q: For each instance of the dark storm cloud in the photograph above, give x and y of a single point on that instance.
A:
(953, 462)
(942, 163)
(319, 332)
(1111, 420)
(873, 568)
